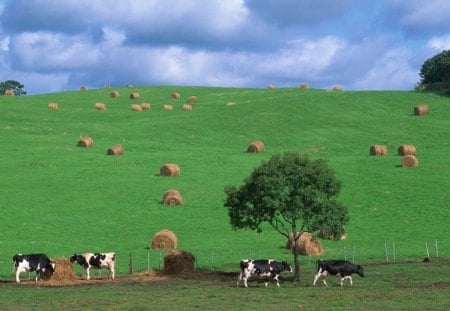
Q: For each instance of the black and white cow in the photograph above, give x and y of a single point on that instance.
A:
(334, 267)
(96, 261)
(32, 262)
(264, 268)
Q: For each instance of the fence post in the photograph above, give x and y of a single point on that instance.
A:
(131, 263)
(212, 261)
(385, 250)
(148, 260)
(436, 245)
(428, 253)
(393, 250)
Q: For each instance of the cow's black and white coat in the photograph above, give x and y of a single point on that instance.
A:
(334, 267)
(264, 268)
(97, 261)
(32, 262)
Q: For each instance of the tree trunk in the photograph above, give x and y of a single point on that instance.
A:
(296, 263)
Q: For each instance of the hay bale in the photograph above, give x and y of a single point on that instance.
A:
(179, 261)
(404, 150)
(421, 110)
(187, 107)
(410, 161)
(337, 88)
(169, 169)
(146, 106)
(378, 150)
(307, 244)
(64, 271)
(114, 94)
(116, 150)
(231, 104)
(85, 142)
(256, 146)
(168, 107)
(135, 95)
(136, 107)
(9, 92)
(100, 106)
(192, 99)
(84, 88)
(172, 197)
(175, 96)
(304, 85)
(53, 106)
(164, 239)
(271, 86)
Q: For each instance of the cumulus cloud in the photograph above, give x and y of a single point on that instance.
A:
(439, 43)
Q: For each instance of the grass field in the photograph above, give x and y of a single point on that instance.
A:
(60, 199)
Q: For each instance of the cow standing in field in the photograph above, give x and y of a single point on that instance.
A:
(32, 262)
(334, 267)
(264, 268)
(97, 261)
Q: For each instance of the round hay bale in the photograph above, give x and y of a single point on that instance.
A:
(421, 110)
(9, 92)
(135, 96)
(179, 261)
(404, 150)
(192, 99)
(146, 106)
(175, 96)
(136, 107)
(164, 239)
(378, 150)
(307, 244)
(172, 197)
(100, 106)
(84, 88)
(64, 271)
(337, 88)
(410, 161)
(256, 146)
(114, 94)
(85, 142)
(271, 86)
(53, 106)
(304, 85)
(187, 107)
(169, 169)
(116, 150)
(168, 107)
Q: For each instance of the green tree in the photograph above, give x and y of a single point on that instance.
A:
(293, 194)
(435, 72)
(16, 86)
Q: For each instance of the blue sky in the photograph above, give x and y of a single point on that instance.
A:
(59, 45)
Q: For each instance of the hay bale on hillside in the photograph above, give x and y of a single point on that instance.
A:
(84, 88)
(187, 107)
(168, 107)
(116, 150)
(378, 150)
(100, 106)
(64, 271)
(85, 142)
(307, 244)
(53, 106)
(136, 107)
(175, 95)
(304, 85)
(179, 261)
(114, 94)
(135, 95)
(146, 106)
(421, 110)
(169, 169)
(410, 161)
(256, 146)
(405, 150)
(164, 239)
(337, 88)
(172, 197)
(192, 99)
(9, 92)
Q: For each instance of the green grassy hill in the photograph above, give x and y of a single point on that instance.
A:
(60, 199)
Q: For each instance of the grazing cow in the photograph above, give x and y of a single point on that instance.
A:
(263, 268)
(97, 261)
(32, 262)
(334, 267)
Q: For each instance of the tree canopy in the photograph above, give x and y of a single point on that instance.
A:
(435, 72)
(13, 85)
(292, 193)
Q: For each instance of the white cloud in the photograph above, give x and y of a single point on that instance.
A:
(439, 43)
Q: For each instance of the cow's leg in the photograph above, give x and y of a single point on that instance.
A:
(246, 276)
(277, 280)
(239, 279)
(17, 275)
(112, 273)
(316, 278)
(88, 270)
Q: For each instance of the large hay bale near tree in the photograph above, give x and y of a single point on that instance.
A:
(164, 239)
(116, 150)
(9, 92)
(85, 142)
(256, 146)
(169, 169)
(64, 271)
(378, 150)
(172, 197)
(410, 161)
(421, 110)
(307, 244)
(405, 150)
(179, 261)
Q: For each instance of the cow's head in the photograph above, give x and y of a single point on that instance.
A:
(360, 271)
(73, 258)
(286, 266)
(51, 266)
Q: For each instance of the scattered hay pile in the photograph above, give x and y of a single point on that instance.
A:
(179, 261)
(175, 96)
(164, 239)
(135, 96)
(136, 107)
(84, 88)
(230, 104)
(114, 94)
(169, 169)
(172, 197)
(337, 88)
(304, 85)
(9, 92)
(187, 107)
(53, 106)
(256, 146)
(146, 106)
(192, 99)
(421, 109)
(378, 150)
(64, 271)
(100, 106)
(307, 244)
(85, 142)
(116, 150)
(410, 161)
(168, 107)
(405, 150)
